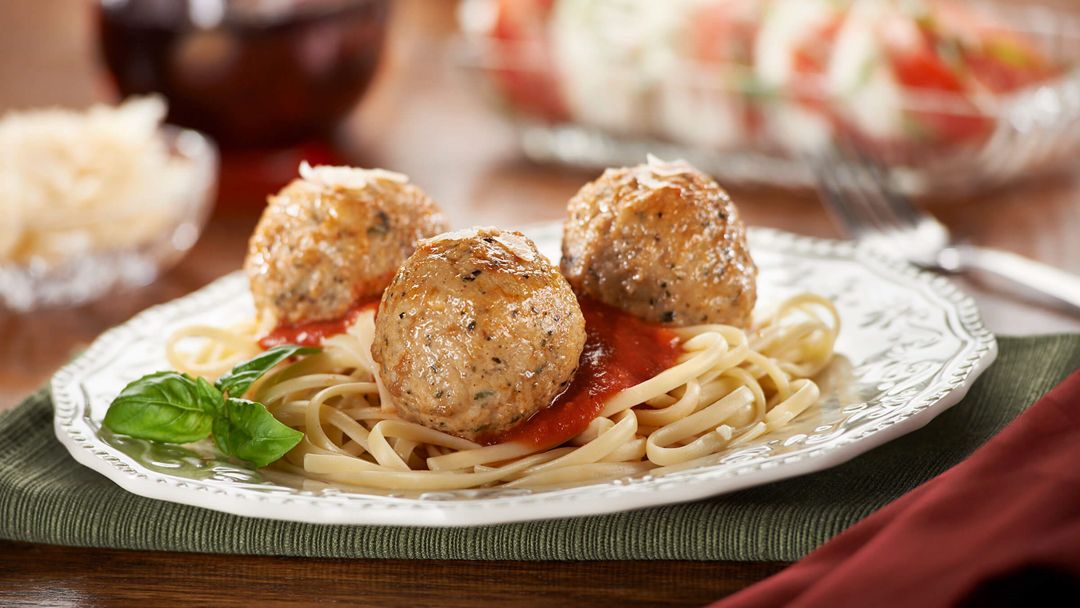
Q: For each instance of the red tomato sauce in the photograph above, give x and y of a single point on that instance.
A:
(313, 333)
(620, 351)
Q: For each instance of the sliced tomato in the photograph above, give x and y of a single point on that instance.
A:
(1005, 63)
(812, 56)
(995, 56)
(723, 33)
(810, 62)
(722, 37)
(923, 70)
(526, 74)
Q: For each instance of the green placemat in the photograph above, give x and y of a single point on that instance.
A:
(46, 497)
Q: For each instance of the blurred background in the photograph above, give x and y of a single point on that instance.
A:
(419, 115)
(501, 110)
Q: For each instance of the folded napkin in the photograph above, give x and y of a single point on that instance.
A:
(46, 497)
(1001, 528)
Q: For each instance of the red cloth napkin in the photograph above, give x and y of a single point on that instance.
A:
(1001, 528)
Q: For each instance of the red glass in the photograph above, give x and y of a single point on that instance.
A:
(251, 73)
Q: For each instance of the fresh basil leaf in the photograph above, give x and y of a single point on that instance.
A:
(236, 382)
(209, 397)
(249, 432)
(165, 406)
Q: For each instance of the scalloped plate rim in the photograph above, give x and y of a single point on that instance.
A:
(584, 500)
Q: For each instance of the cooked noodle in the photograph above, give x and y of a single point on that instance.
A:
(727, 388)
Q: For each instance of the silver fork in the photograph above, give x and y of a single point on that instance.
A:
(858, 194)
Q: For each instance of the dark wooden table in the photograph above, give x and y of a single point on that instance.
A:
(421, 118)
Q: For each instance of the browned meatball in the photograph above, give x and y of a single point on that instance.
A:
(331, 238)
(476, 333)
(661, 241)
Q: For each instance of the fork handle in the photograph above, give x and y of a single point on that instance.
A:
(1045, 281)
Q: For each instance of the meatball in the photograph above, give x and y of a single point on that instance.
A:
(332, 238)
(661, 241)
(476, 333)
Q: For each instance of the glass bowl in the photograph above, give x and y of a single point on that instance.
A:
(90, 273)
(630, 89)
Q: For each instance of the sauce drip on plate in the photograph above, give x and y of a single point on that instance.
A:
(620, 351)
(313, 333)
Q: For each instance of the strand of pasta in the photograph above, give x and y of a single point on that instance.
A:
(728, 388)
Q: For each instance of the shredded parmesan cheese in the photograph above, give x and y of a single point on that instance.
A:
(665, 168)
(77, 182)
(348, 178)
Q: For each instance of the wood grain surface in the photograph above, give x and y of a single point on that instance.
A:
(41, 575)
(423, 118)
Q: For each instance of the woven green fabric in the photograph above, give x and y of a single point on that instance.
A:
(46, 497)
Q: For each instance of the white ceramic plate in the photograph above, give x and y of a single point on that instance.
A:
(910, 347)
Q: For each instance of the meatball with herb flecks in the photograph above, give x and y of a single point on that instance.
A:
(661, 241)
(476, 333)
(331, 239)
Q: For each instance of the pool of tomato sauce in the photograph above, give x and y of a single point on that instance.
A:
(620, 351)
(313, 333)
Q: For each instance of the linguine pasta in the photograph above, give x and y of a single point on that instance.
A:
(727, 388)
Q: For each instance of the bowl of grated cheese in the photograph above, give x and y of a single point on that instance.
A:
(94, 200)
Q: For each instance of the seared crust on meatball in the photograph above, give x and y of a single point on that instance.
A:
(476, 333)
(331, 239)
(661, 241)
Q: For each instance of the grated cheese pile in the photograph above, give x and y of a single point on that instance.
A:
(77, 182)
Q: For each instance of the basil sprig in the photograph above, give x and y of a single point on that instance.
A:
(236, 382)
(165, 406)
(172, 407)
(246, 430)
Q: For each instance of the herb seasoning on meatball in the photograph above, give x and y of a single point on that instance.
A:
(476, 333)
(663, 242)
(333, 238)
